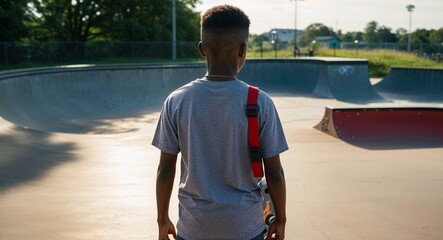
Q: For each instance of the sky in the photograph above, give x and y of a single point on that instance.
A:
(345, 15)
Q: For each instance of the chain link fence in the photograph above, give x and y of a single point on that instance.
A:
(55, 52)
(72, 52)
(426, 50)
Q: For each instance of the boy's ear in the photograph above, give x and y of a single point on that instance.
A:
(201, 50)
(243, 49)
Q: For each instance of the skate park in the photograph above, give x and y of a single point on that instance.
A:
(365, 156)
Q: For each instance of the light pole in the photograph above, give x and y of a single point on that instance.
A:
(410, 8)
(275, 40)
(312, 50)
(174, 33)
(356, 46)
(296, 49)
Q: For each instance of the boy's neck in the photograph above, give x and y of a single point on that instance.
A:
(221, 71)
(219, 78)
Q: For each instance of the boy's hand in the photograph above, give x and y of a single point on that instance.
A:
(277, 189)
(276, 230)
(165, 228)
(164, 185)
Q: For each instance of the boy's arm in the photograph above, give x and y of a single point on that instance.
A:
(164, 185)
(275, 179)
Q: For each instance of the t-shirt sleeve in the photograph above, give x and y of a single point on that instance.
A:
(272, 137)
(166, 137)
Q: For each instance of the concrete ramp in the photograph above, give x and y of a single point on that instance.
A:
(346, 81)
(298, 76)
(385, 128)
(413, 84)
(85, 99)
(80, 99)
(343, 79)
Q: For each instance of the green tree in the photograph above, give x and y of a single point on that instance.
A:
(358, 36)
(188, 21)
(82, 20)
(67, 20)
(352, 36)
(151, 20)
(315, 30)
(12, 18)
(402, 36)
(375, 34)
(436, 36)
(257, 40)
(370, 33)
(384, 34)
(420, 36)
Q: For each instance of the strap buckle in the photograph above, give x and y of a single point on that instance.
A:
(252, 110)
(255, 154)
(256, 162)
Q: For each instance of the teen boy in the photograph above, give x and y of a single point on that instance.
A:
(206, 121)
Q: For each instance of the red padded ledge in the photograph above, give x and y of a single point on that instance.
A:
(385, 127)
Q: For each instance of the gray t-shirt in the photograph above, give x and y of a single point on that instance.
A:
(218, 194)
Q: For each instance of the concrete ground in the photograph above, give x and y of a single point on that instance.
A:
(102, 186)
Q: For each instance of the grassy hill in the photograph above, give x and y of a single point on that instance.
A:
(381, 61)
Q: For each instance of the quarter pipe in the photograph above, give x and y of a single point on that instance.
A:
(385, 128)
(413, 84)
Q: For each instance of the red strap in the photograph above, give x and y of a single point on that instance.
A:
(257, 169)
(253, 130)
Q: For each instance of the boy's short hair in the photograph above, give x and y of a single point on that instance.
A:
(224, 25)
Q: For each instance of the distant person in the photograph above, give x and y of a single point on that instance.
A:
(206, 121)
(311, 52)
(296, 51)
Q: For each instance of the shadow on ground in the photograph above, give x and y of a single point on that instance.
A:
(27, 155)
